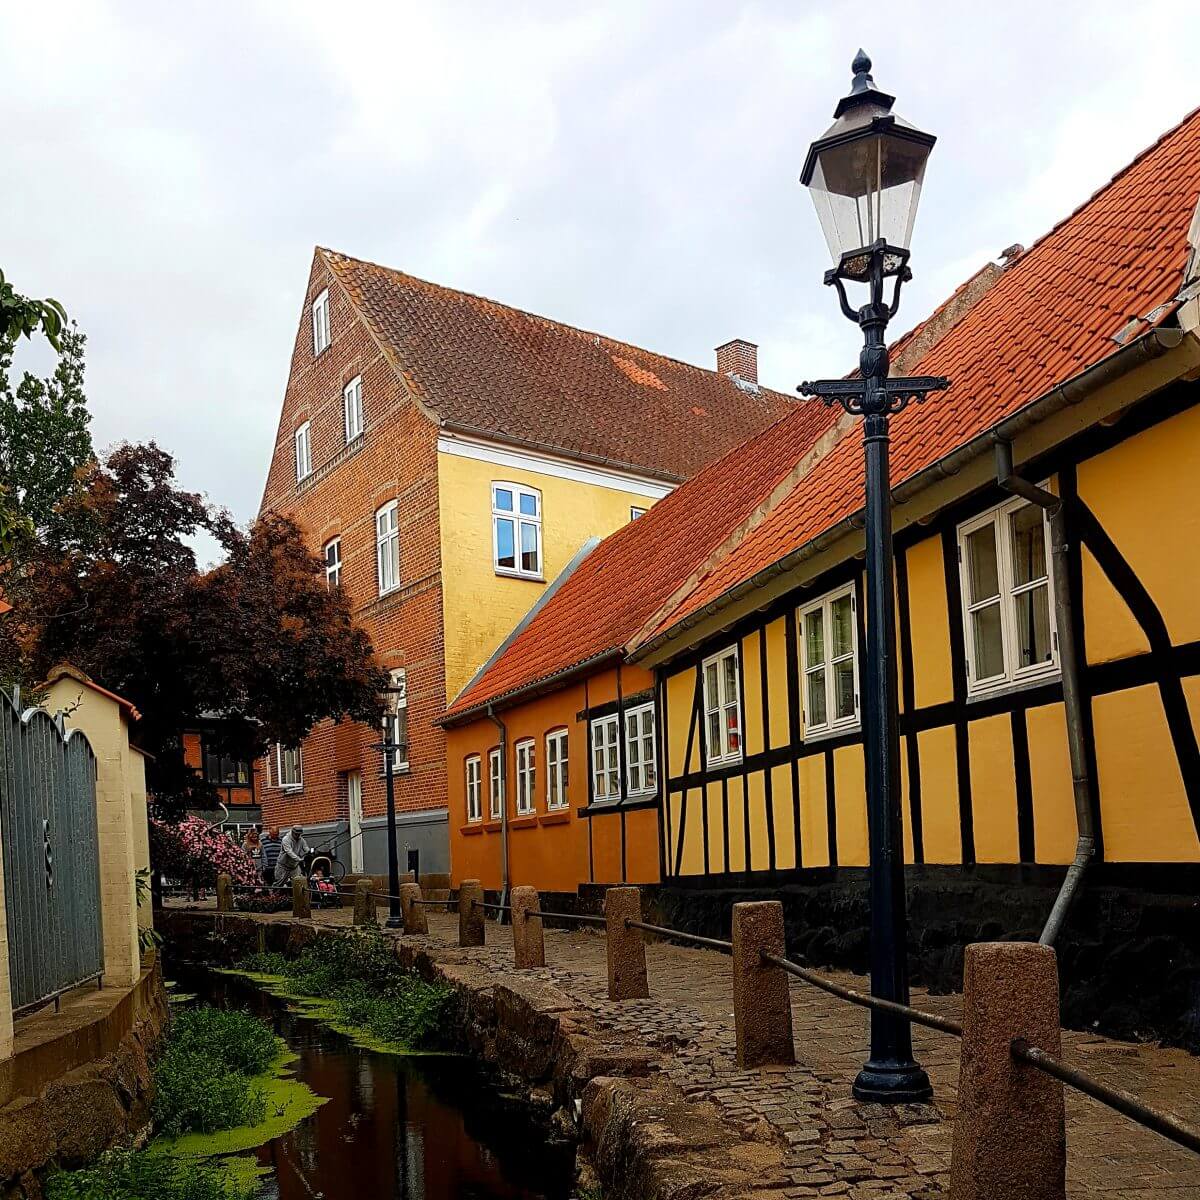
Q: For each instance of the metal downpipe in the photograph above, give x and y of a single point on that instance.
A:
(500, 725)
(1064, 612)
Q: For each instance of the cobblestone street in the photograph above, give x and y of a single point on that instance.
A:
(838, 1147)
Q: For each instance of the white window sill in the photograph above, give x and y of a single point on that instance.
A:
(356, 438)
(1008, 687)
(506, 574)
(827, 732)
(550, 808)
(731, 760)
(389, 592)
(291, 789)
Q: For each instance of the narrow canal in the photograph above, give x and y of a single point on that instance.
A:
(396, 1127)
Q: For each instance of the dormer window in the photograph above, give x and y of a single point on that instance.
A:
(320, 323)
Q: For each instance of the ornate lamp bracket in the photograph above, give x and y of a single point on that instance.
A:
(864, 397)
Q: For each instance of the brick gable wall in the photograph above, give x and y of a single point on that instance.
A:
(396, 458)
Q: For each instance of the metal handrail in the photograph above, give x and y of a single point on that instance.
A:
(863, 1000)
(1170, 1127)
(694, 938)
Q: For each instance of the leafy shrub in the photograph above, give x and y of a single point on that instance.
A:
(232, 1039)
(195, 1095)
(190, 849)
(126, 1175)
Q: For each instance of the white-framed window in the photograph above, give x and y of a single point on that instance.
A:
(635, 512)
(320, 320)
(641, 764)
(526, 776)
(352, 407)
(495, 784)
(387, 548)
(473, 768)
(606, 759)
(303, 452)
(829, 660)
(556, 770)
(516, 530)
(722, 707)
(333, 563)
(1008, 614)
(289, 769)
(395, 720)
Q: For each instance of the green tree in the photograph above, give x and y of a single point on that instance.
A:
(44, 438)
(22, 317)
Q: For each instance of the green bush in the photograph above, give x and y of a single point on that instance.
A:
(126, 1175)
(235, 1040)
(372, 990)
(194, 1094)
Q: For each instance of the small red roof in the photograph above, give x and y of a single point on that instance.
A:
(497, 372)
(1052, 314)
(67, 671)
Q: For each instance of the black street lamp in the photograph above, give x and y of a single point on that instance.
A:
(865, 177)
(388, 747)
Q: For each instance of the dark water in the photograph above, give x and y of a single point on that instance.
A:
(396, 1128)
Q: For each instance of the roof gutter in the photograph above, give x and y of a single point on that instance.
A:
(1151, 345)
(529, 691)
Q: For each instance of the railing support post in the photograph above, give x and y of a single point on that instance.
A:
(413, 913)
(224, 893)
(1009, 1132)
(301, 900)
(470, 915)
(762, 1002)
(626, 947)
(529, 945)
(364, 903)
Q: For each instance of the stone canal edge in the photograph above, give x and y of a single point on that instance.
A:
(651, 1090)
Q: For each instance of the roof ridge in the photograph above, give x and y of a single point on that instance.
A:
(576, 330)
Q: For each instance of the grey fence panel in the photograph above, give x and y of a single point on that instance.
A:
(51, 855)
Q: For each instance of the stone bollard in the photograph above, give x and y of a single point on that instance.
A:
(301, 900)
(529, 946)
(1009, 1132)
(470, 914)
(224, 893)
(626, 947)
(364, 903)
(415, 920)
(762, 1002)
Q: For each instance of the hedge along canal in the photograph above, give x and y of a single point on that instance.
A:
(350, 1109)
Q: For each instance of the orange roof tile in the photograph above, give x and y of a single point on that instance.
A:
(499, 372)
(1052, 314)
(623, 582)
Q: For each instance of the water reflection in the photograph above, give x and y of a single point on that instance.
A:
(399, 1128)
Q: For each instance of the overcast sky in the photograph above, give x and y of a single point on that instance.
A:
(627, 167)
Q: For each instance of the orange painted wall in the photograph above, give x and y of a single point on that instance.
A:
(552, 850)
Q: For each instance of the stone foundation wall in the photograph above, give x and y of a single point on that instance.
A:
(79, 1082)
(1129, 958)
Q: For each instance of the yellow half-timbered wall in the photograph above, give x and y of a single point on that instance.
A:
(986, 777)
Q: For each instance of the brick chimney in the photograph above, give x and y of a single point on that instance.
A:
(739, 358)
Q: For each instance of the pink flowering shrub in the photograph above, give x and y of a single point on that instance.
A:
(189, 849)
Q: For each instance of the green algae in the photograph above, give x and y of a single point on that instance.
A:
(288, 1102)
(327, 1010)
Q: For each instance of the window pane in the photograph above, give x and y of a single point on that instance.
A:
(1033, 626)
(843, 688)
(731, 690)
(988, 642)
(715, 748)
(506, 555)
(710, 685)
(733, 734)
(841, 614)
(503, 500)
(1028, 545)
(635, 778)
(814, 638)
(529, 555)
(982, 575)
(528, 504)
(817, 711)
(651, 774)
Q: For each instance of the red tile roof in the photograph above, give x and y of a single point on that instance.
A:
(624, 581)
(1051, 315)
(496, 371)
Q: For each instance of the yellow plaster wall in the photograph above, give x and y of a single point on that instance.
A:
(939, 795)
(752, 720)
(756, 798)
(1145, 491)
(479, 607)
(814, 813)
(1054, 826)
(993, 789)
(785, 817)
(850, 801)
(1109, 628)
(681, 690)
(930, 623)
(777, 716)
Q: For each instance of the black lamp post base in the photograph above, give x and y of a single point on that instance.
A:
(893, 1083)
(394, 923)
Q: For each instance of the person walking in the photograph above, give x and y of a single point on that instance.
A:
(252, 842)
(293, 850)
(269, 855)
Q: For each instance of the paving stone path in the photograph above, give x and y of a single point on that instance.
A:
(836, 1146)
